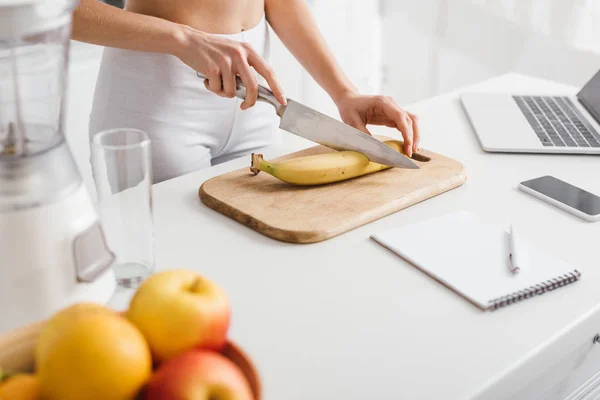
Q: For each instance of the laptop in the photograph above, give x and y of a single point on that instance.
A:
(523, 123)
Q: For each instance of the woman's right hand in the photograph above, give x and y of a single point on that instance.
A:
(221, 59)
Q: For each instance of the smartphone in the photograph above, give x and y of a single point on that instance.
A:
(565, 196)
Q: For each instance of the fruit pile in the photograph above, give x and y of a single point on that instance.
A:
(165, 346)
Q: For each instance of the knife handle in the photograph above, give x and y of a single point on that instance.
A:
(264, 94)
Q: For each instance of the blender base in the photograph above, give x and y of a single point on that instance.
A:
(100, 291)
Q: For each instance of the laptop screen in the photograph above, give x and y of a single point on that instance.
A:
(589, 96)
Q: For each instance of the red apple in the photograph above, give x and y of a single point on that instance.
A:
(179, 310)
(198, 375)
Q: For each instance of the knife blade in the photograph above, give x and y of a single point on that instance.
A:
(310, 124)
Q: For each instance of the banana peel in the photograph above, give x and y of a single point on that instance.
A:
(325, 168)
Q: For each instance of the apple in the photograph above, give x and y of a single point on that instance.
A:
(198, 375)
(179, 310)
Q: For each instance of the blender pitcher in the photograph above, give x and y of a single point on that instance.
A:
(34, 49)
(52, 246)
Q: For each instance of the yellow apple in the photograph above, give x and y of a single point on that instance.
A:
(179, 310)
(198, 375)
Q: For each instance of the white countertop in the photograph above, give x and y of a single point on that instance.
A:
(345, 319)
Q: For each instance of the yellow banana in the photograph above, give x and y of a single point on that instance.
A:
(326, 168)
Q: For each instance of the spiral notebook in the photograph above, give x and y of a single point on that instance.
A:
(471, 258)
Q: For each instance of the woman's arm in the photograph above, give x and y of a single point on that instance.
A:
(99, 23)
(295, 26)
(293, 23)
(217, 58)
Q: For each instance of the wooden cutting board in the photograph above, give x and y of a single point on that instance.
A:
(313, 214)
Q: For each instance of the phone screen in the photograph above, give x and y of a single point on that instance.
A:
(568, 194)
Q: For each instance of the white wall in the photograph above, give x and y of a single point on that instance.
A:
(434, 46)
(352, 29)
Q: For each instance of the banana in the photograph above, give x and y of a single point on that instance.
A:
(326, 168)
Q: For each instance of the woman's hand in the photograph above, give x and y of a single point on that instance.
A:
(359, 111)
(221, 59)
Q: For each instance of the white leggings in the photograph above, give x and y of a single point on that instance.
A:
(190, 128)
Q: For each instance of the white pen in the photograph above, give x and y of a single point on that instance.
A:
(514, 258)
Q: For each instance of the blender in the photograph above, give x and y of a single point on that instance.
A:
(53, 251)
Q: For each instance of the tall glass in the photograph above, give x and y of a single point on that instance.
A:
(122, 170)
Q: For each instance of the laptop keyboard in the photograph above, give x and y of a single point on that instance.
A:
(557, 122)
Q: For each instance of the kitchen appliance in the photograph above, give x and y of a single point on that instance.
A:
(310, 124)
(52, 248)
(312, 214)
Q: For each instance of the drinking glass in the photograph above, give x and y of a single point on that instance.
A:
(122, 171)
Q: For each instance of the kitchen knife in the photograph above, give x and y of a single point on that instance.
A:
(312, 125)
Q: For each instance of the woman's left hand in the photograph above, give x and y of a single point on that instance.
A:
(359, 111)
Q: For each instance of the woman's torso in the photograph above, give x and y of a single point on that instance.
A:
(190, 127)
(213, 16)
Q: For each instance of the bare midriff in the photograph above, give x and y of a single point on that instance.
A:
(212, 16)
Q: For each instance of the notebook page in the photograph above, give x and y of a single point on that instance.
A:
(471, 257)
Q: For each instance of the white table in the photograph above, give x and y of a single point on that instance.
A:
(345, 319)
